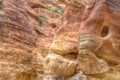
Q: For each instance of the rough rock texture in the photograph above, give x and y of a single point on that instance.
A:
(99, 40)
(86, 43)
(24, 42)
(95, 49)
(64, 49)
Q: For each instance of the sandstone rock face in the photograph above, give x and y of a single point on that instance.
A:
(18, 40)
(89, 37)
(61, 61)
(86, 43)
(93, 42)
(24, 42)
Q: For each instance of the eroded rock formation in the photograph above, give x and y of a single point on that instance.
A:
(86, 43)
(89, 38)
(24, 42)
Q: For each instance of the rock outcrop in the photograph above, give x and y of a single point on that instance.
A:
(39, 42)
(24, 41)
(89, 36)
(64, 49)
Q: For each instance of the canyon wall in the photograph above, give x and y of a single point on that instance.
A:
(26, 32)
(59, 39)
(86, 46)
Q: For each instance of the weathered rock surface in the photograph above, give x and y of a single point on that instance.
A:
(24, 42)
(64, 49)
(86, 43)
(93, 42)
(96, 52)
